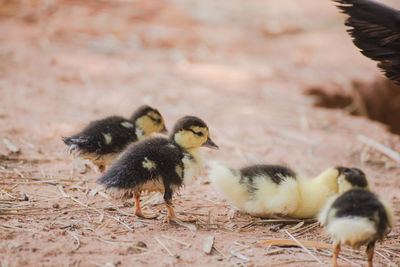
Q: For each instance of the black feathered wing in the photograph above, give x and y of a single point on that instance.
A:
(92, 138)
(375, 29)
(129, 171)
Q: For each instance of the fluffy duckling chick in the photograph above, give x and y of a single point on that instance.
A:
(273, 190)
(356, 217)
(161, 164)
(103, 140)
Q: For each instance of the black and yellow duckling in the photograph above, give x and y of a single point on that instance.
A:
(273, 190)
(375, 29)
(356, 217)
(161, 164)
(103, 140)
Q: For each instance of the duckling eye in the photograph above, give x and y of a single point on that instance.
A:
(197, 133)
(158, 121)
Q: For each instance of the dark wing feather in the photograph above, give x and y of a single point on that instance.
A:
(375, 29)
(128, 171)
(92, 140)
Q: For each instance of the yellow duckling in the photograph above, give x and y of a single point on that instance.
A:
(103, 140)
(273, 190)
(160, 164)
(357, 216)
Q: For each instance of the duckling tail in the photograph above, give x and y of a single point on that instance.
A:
(227, 182)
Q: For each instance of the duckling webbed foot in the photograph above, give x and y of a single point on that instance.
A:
(171, 216)
(138, 210)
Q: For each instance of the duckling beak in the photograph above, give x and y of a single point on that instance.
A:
(210, 144)
(164, 130)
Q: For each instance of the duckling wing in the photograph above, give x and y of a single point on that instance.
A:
(104, 136)
(375, 29)
(148, 160)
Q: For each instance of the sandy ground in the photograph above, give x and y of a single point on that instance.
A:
(242, 66)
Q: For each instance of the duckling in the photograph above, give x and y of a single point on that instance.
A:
(161, 164)
(103, 140)
(375, 29)
(273, 190)
(356, 217)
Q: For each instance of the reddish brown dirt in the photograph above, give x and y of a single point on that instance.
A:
(242, 66)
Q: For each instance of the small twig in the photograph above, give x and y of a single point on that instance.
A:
(191, 227)
(177, 241)
(165, 247)
(383, 256)
(306, 243)
(239, 255)
(101, 213)
(306, 229)
(222, 254)
(18, 173)
(381, 148)
(303, 247)
(10, 146)
(74, 235)
(276, 221)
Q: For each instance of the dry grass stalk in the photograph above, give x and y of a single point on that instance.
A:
(306, 229)
(177, 241)
(164, 246)
(191, 227)
(303, 247)
(18, 173)
(390, 263)
(283, 220)
(330, 254)
(43, 179)
(284, 263)
(101, 213)
(10, 146)
(288, 242)
(381, 148)
(75, 236)
(239, 255)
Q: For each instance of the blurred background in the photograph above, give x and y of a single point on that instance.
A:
(251, 69)
(276, 81)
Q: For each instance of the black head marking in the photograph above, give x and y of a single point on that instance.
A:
(354, 176)
(186, 123)
(143, 111)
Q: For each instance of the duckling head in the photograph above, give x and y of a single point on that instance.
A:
(148, 120)
(350, 178)
(191, 132)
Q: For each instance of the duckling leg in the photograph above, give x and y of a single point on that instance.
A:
(171, 215)
(138, 209)
(370, 253)
(336, 251)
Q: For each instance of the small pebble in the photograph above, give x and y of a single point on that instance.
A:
(141, 244)
(56, 205)
(23, 197)
(276, 227)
